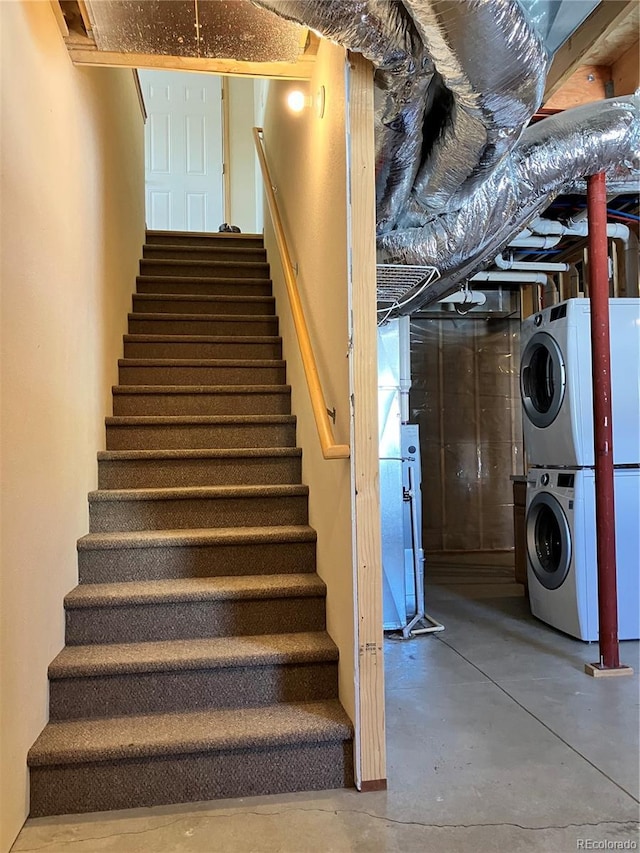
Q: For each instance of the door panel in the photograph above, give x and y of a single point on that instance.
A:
(159, 210)
(183, 150)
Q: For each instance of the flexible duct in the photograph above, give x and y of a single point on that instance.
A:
(440, 133)
(384, 33)
(457, 80)
(549, 156)
(493, 66)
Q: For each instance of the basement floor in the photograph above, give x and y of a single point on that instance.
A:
(497, 741)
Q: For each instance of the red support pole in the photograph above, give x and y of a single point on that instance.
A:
(602, 424)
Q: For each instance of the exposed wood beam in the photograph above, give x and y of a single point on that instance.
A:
(370, 725)
(625, 72)
(86, 18)
(62, 24)
(85, 54)
(587, 84)
(601, 25)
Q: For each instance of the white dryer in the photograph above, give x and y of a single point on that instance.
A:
(561, 550)
(555, 384)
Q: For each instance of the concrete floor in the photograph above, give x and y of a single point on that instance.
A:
(496, 741)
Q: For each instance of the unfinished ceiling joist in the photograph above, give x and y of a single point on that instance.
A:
(300, 70)
(589, 83)
(104, 35)
(609, 30)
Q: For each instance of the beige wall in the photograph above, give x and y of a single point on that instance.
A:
(243, 162)
(72, 228)
(306, 155)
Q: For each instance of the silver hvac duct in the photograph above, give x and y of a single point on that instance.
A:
(493, 65)
(457, 81)
(549, 156)
(384, 33)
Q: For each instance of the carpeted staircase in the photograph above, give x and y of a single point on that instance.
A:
(196, 663)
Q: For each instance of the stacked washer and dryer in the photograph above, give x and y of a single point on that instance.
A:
(557, 398)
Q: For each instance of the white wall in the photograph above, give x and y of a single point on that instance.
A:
(243, 162)
(260, 94)
(307, 157)
(72, 196)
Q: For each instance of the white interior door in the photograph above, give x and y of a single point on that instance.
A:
(183, 151)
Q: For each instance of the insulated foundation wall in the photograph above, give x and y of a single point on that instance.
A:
(465, 397)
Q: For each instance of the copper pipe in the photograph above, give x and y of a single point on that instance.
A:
(602, 423)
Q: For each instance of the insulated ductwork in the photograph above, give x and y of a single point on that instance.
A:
(492, 67)
(379, 30)
(439, 132)
(384, 33)
(456, 176)
(604, 136)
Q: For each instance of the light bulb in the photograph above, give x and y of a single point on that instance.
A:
(296, 101)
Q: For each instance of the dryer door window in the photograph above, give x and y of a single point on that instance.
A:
(548, 540)
(542, 379)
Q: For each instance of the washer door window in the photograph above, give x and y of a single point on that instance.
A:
(548, 540)
(542, 379)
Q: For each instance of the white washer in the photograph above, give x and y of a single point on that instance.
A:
(561, 550)
(555, 384)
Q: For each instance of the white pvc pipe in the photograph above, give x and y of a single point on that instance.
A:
(404, 343)
(546, 226)
(534, 241)
(631, 263)
(514, 276)
(578, 226)
(575, 227)
(537, 266)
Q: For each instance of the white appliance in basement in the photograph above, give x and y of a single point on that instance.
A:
(400, 488)
(555, 383)
(561, 550)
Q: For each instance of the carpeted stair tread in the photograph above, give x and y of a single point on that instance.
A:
(214, 453)
(250, 269)
(201, 279)
(201, 362)
(195, 537)
(226, 318)
(202, 339)
(198, 492)
(196, 284)
(174, 655)
(223, 318)
(202, 297)
(201, 389)
(174, 420)
(187, 264)
(116, 738)
(199, 249)
(225, 588)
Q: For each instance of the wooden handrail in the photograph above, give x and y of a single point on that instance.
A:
(330, 450)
